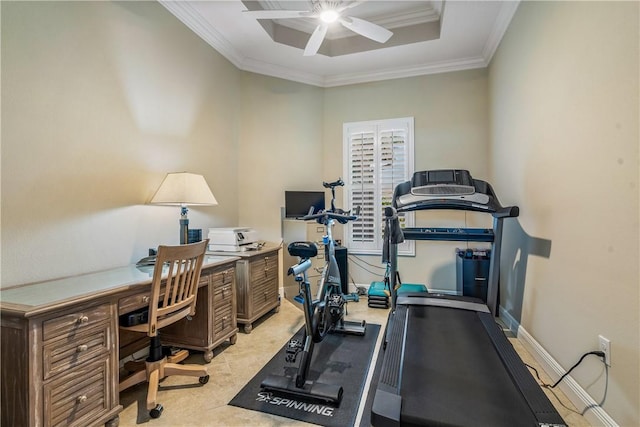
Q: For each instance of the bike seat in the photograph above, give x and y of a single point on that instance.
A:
(303, 249)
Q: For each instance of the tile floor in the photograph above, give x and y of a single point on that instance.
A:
(187, 403)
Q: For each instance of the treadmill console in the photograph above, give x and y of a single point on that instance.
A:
(442, 182)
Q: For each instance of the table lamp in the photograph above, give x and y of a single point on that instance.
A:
(184, 189)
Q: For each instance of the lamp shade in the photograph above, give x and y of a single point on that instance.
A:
(183, 188)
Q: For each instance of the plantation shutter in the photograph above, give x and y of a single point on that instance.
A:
(379, 156)
(361, 189)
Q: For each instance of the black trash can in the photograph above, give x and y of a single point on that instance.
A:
(472, 272)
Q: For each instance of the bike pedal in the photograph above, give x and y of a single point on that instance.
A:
(293, 348)
(299, 299)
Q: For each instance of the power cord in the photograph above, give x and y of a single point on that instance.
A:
(549, 386)
(595, 353)
(367, 263)
(545, 385)
(356, 263)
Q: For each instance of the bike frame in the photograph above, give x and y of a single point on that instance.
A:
(323, 315)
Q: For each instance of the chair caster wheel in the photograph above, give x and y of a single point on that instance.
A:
(204, 379)
(157, 411)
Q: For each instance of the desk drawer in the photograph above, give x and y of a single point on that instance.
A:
(223, 319)
(222, 294)
(133, 302)
(65, 354)
(268, 297)
(77, 397)
(223, 277)
(265, 268)
(74, 323)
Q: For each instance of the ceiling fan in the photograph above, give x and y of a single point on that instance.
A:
(327, 12)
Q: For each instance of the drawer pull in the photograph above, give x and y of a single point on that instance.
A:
(83, 319)
(81, 399)
(81, 348)
(145, 299)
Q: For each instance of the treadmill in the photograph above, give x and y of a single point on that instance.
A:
(446, 361)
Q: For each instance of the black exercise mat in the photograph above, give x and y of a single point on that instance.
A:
(338, 359)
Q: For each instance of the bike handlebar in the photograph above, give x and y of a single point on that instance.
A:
(338, 183)
(341, 217)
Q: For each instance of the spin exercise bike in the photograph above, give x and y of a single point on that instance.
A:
(323, 315)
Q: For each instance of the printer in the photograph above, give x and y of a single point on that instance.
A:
(232, 239)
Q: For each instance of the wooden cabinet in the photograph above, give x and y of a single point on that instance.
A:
(258, 282)
(63, 367)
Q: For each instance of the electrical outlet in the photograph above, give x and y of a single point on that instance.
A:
(605, 347)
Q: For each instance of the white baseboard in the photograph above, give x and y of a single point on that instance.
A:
(578, 396)
(509, 321)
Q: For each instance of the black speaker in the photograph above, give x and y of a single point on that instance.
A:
(343, 266)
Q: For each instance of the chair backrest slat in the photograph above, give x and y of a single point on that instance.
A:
(180, 286)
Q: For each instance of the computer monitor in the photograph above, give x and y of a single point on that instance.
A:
(297, 203)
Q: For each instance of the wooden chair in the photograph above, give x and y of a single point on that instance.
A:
(172, 299)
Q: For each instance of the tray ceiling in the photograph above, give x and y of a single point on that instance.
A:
(428, 37)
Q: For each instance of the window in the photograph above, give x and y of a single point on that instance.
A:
(378, 156)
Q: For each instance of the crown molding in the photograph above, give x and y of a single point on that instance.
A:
(412, 71)
(273, 70)
(503, 20)
(190, 17)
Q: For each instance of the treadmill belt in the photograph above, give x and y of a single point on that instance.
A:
(453, 375)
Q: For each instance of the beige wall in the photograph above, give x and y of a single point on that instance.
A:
(451, 131)
(99, 101)
(564, 146)
(291, 139)
(280, 148)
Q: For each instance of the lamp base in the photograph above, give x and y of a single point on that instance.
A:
(184, 231)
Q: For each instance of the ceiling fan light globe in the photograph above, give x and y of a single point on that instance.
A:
(329, 16)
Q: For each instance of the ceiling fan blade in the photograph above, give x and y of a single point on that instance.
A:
(316, 40)
(349, 6)
(277, 14)
(367, 29)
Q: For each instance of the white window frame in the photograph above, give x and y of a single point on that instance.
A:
(376, 128)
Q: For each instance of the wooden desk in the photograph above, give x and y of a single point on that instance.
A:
(60, 342)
